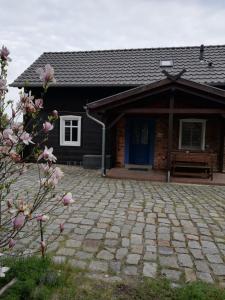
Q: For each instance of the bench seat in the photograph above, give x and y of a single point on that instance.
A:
(192, 164)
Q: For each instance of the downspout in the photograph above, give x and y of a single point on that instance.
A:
(103, 163)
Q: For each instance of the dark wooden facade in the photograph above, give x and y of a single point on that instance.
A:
(71, 101)
(165, 105)
(167, 102)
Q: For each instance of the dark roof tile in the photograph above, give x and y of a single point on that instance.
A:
(129, 67)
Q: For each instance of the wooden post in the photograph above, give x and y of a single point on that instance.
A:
(170, 135)
(222, 136)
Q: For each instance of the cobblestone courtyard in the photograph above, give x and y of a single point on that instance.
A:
(122, 228)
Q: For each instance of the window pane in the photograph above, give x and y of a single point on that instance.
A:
(67, 134)
(67, 123)
(74, 122)
(144, 134)
(191, 135)
(74, 134)
(136, 135)
(186, 134)
(196, 135)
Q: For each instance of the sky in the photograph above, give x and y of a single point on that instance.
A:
(30, 27)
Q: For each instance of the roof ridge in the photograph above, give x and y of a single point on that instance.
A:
(135, 49)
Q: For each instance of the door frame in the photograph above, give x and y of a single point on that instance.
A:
(128, 137)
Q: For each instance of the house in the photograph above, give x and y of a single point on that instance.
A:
(156, 108)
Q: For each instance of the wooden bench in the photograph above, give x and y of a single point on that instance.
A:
(192, 164)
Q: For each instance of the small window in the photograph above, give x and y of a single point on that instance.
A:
(192, 134)
(70, 130)
(166, 63)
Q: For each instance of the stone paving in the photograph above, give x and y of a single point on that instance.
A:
(127, 228)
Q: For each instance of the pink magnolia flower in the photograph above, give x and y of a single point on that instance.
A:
(58, 173)
(43, 218)
(49, 182)
(27, 104)
(46, 168)
(55, 113)
(61, 227)
(15, 156)
(54, 175)
(12, 243)
(46, 74)
(23, 207)
(47, 155)
(67, 199)
(16, 127)
(26, 98)
(26, 138)
(8, 134)
(4, 149)
(4, 54)
(18, 222)
(3, 87)
(47, 126)
(38, 103)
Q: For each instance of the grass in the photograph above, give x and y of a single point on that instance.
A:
(39, 279)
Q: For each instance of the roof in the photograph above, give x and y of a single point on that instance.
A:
(129, 67)
(166, 84)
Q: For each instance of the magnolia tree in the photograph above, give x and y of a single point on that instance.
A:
(18, 210)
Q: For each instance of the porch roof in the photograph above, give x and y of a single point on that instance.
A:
(170, 83)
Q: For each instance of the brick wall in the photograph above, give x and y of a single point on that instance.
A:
(161, 140)
(161, 143)
(120, 143)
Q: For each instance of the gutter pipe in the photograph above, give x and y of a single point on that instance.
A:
(103, 162)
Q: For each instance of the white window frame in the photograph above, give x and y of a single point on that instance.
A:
(203, 122)
(62, 131)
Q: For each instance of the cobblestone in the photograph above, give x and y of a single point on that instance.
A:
(104, 254)
(173, 275)
(121, 253)
(218, 269)
(98, 266)
(135, 228)
(133, 259)
(130, 271)
(150, 269)
(206, 277)
(185, 260)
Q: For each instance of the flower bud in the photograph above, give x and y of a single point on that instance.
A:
(43, 218)
(55, 113)
(47, 126)
(67, 199)
(43, 246)
(18, 222)
(38, 103)
(12, 243)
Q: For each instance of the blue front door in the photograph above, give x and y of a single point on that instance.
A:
(140, 141)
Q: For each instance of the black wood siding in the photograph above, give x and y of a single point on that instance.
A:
(71, 101)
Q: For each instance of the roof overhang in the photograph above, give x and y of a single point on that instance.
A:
(170, 83)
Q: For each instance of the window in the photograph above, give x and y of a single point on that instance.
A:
(70, 130)
(166, 63)
(192, 134)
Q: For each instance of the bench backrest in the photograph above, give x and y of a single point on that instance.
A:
(200, 157)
